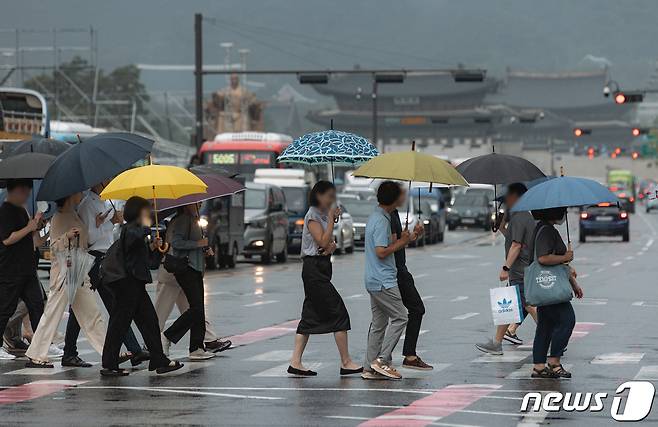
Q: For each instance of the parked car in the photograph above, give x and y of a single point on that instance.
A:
(651, 199)
(470, 210)
(604, 219)
(223, 222)
(344, 232)
(266, 223)
(359, 211)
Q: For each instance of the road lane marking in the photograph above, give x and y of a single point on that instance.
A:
(485, 264)
(630, 257)
(426, 297)
(259, 303)
(582, 329)
(617, 358)
(280, 370)
(265, 333)
(465, 316)
(616, 264)
(272, 356)
(533, 419)
(454, 270)
(506, 357)
(355, 296)
(430, 409)
(178, 390)
(649, 372)
(590, 301)
(583, 276)
(459, 298)
(35, 390)
(419, 276)
(58, 369)
(523, 373)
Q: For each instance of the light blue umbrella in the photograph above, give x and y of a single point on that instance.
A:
(564, 192)
(329, 147)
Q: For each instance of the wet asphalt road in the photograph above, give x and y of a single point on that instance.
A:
(615, 341)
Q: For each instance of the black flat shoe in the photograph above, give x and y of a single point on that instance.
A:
(140, 357)
(300, 373)
(114, 373)
(124, 357)
(174, 365)
(344, 371)
(75, 361)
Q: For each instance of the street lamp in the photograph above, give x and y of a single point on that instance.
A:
(376, 79)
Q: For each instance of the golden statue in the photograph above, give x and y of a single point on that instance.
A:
(234, 109)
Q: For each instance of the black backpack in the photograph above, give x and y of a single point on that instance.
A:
(113, 266)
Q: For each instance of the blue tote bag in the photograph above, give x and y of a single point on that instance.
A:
(546, 284)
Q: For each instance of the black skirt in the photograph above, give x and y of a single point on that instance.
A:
(323, 311)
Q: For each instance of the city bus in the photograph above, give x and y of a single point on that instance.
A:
(244, 152)
(622, 183)
(23, 114)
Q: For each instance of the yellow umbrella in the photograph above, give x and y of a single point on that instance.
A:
(154, 182)
(411, 166)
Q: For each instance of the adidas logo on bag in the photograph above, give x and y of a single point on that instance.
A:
(504, 306)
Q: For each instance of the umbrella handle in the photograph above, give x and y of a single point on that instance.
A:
(165, 246)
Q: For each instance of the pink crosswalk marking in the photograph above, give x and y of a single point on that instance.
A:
(429, 409)
(34, 390)
(582, 329)
(265, 333)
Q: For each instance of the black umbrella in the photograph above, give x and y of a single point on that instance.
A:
(91, 162)
(37, 145)
(496, 169)
(26, 166)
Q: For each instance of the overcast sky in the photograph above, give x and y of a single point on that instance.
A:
(526, 34)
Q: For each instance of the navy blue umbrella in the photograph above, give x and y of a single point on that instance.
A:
(91, 162)
(37, 144)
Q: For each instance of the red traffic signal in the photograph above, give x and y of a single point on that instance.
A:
(639, 131)
(627, 97)
(578, 132)
(635, 156)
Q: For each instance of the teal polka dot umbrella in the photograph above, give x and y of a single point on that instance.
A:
(329, 147)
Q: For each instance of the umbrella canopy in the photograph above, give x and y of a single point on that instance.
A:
(218, 186)
(26, 166)
(411, 166)
(91, 162)
(498, 169)
(564, 191)
(212, 169)
(53, 147)
(333, 147)
(154, 182)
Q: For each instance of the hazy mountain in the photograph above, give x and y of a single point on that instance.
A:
(528, 34)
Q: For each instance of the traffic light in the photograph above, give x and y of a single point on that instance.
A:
(578, 132)
(628, 97)
(639, 131)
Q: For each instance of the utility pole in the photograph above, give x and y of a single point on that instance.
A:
(198, 76)
(380, 148)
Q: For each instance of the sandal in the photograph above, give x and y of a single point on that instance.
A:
(559, 371)
(174, 365)
(542, 373)
(124, 357)
(31, 363)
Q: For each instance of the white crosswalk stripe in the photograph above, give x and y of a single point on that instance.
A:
(273, 356)
(617, 358)
(465, 316)
(508, 356)
(649, 372)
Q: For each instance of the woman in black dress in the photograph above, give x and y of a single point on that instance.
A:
(131, 301)
(323, 311)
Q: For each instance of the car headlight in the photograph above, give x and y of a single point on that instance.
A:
(426, 221)
(203, 221)
(449, 209)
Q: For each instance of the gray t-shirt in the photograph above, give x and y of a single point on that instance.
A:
(309, 247)
(549, 241)
(520, 229)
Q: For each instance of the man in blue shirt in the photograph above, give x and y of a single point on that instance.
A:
(382, 284)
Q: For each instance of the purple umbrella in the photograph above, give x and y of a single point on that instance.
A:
(218, 186)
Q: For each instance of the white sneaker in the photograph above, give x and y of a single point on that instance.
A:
(166, 344)
(201, 354)
(6, 356)
(55, 352)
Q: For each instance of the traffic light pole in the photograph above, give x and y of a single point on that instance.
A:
(198, 80)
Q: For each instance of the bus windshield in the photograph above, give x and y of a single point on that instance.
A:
(23, 113)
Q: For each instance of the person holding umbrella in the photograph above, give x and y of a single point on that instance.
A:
(324, 310)
(518, 229)
(187, 243)
(18, 267)
(99, 218)
(130, 256)
(66, 231)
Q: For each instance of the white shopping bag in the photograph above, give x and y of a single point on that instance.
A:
(506, 305)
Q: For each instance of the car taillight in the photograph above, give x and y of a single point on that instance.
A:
(584, 215)
(632, 199)
(623, 215)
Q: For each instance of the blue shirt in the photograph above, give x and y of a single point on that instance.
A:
(380, 273)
